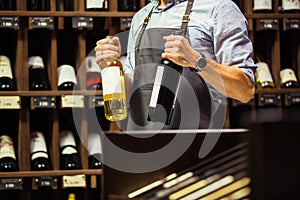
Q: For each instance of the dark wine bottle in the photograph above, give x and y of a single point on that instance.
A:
(96, 5)
(128, 5)
(6, 77)
(7, 4)
(288, 78)
(8, 162)
(164, 93)
(93, 74)
(37, 74)
(69, 156)
(262, 6)
(69, 5)
(94, 151)
(39, 154)
(66, 78)
(38, 5)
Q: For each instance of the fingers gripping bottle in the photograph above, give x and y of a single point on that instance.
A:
(113, 85)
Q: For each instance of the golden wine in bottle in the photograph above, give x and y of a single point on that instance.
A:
(263, 76)
(113, 85)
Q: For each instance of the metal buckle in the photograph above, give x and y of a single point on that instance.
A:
(185, 18)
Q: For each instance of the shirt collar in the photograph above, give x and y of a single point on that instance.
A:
(169, 4)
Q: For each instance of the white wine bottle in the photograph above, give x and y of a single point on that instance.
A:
(288, 78)
(262, 6)
(113, 85)
(263, 76)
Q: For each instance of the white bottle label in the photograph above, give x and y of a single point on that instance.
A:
(94, 4)
(262, 5)
(66, 73)
(94, 144)
(287, 75)
(263, 71)
(67, 139)
(156, 87)
(291, 4)
(111, 80)
(5, 67)
(35, 62)
(38, 146)
(6, 147)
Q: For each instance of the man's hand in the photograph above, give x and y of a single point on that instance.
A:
(179, 50)
(107, 48)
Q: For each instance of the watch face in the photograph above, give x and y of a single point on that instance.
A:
(201, 64)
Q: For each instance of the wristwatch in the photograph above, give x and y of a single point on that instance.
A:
(201, 63)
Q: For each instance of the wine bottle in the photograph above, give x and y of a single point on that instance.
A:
(7, 4)
(263, 76)
(164, 93)
(93, 74)
(37, 74)
(39, 154)
(6, 76)
(262, 6)
(66, 77)
(128, 5)
(96, 5)
(288, 78)
(290, 6)
(38, 5)
(8, 160)
(71, 196)
(69, 5)
(94, 150)
(69, 156)
(113, 85)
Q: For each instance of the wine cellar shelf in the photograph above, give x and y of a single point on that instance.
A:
(53, 35)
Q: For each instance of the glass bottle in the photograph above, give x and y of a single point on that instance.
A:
(288, 78)
(93, 74)
(69, 156)
(263, 76)
(37, 74)
(66, 77)
(39, 154)
(290, 6)
(6, 77)
(113, 85)
(262, 6)
(164, 93)
(94, 151)
(8, 162)
(96, 5)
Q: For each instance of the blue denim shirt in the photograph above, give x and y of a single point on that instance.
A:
(217, 28)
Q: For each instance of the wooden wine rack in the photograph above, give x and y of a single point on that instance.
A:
(24, 33)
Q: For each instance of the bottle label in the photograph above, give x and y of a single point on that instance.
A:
(111, 80)
(156, 86)
(94, 144)
(291, 4)
(94, 4)
(66, 73)
(36, 62)
(6, 147)
(287, 75)
(263, 72)
(262, 5)
(5, 68)
(67, 140)
(38, 146)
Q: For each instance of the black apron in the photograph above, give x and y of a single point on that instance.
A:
(193, 103)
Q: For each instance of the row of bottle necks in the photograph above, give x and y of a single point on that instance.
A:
(40, 158)
(71, 5)
(38, 78)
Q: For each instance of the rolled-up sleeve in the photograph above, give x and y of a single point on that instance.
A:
(231, 42)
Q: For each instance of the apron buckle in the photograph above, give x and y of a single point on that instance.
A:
(185, 18)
